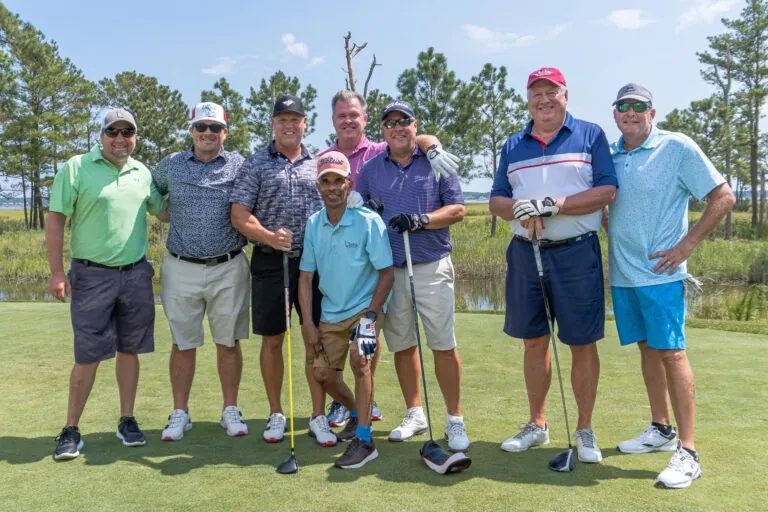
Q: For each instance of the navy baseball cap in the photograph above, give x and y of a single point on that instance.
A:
(398, 106)
(288, 103)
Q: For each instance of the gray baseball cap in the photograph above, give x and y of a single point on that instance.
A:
(115, 115)
(634, 91)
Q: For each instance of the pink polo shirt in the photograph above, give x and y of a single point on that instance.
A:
(363, 152)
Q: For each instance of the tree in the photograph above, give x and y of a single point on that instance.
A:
(374, 106)
(445, 106)
(261, 103)
(502, 113)
(161, 115)
(233, 102)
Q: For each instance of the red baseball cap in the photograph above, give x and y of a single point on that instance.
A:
(553, 75)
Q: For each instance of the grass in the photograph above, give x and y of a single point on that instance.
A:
(209, 471)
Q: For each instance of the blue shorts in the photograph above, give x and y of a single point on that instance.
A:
(573, 275)
(654, 314)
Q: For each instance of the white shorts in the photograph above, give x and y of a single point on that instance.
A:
(189, 290)
(433, 283)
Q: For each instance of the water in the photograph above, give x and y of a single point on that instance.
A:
(37, 291)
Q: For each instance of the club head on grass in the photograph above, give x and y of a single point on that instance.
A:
(442, 461)
(563, 462)
(288, 466)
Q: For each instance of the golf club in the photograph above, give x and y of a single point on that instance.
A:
(289, 465)
(434, 456)
(563, 462)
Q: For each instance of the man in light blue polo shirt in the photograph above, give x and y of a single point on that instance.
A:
(349, 248)
(649, 244)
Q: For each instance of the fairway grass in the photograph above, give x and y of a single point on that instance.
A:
(209, 471)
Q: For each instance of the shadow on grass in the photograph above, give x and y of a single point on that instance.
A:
(206, 445)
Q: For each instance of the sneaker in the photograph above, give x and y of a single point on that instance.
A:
(68, 444)
(275, 429)
(683, 469)
(456, 435)
(129, 433)
(357, 454)
(178, 424)
(376, 412)
(586, 446)
(320, 431)
(337, 414)
(413, 424)
(529, 436)
(348, 433)
(232, 420)
(651, 440)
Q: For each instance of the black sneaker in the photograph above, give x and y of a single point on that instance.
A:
(68, 444)
(129, 432)
(357, 454)
(348, 433)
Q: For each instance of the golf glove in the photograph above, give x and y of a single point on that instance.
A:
(403, 222)
(354, 200)
(528, 208)
(365, 335)
(443, 163)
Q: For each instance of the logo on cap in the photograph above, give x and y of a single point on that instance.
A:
(288, 103)
(331, 161)
(543, 72)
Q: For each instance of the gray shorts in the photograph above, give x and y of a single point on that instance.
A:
(112, 311)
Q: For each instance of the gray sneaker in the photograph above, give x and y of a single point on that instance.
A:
(357, 454)
(530, 435)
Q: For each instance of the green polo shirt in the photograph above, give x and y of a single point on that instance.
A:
(108, 207)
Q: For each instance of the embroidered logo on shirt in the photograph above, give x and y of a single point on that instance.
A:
(351, 245)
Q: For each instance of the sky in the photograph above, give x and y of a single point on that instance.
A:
(599, 45)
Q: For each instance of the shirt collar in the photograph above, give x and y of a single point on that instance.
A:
(346, 218)
(416, 153)
(273, 152)
(568, 124)
(653, 140)
(95, 155)
(189, 154)
(361, 146)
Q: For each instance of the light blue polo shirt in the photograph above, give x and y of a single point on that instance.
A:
(650, 212)
(348, 257)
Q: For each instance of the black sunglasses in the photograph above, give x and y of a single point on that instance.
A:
(127, 133)
(624, 106)
(391, 123)
(201, 127)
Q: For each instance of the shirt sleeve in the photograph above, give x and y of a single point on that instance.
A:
(160, 175)
(603, 171)
(379, 250)
(450, 190)
(308, 262)
(501, 186)
(157, 203)
(64, 191)
(247, 185)
(362, 182)
(696, 172)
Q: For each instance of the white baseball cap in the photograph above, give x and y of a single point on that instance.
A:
(208, 111)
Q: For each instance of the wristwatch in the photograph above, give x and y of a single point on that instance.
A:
(371, 315)
(424, 219)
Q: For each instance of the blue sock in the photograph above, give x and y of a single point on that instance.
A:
(363, 433)
(353, 413)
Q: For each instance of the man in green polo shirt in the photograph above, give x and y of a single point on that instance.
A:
(106, 194)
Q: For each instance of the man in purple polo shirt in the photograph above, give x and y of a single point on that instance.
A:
(349, 120)
(414, 200)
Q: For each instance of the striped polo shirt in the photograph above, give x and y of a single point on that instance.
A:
(576, 159)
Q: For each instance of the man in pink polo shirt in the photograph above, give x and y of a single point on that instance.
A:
(349, 120)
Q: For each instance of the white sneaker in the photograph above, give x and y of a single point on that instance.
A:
(320, 430)
(651, 440)
(413, 424)
(683, 469)
(456, 435)
(178, 423)
(529, 436)
(586, 446)
(232, 420)
(275, 429)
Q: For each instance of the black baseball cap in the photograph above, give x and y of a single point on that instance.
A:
(288, 103)
(398, 106)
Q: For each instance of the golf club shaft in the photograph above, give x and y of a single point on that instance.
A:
(409, 264)
(286, 284)
(553, 343)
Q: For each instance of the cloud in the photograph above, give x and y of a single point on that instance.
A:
(224, 66)
(494, 42)
(703, 11)
(295, 47)
(316, 61)
(628, 19)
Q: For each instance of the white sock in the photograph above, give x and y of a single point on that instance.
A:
(454, 419)
(417, 409)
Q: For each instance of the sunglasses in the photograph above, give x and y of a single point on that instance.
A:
(215, 128)
(637, 107)
(127, 133)
(391, 123)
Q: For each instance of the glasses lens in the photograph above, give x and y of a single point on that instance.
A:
(126, 132)
(622, 107)
(640, 107)
(215, 128)
(391, 123)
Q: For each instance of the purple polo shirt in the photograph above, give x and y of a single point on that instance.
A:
(363, 152)
(410, 189)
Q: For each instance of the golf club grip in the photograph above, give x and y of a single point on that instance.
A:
(408, 262)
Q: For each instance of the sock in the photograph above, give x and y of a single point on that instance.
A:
(664, 429)
(454, 419)
(363, 433)
(353, 413)
(693, 454)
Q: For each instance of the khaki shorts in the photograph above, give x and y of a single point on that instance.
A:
(223, 291)
(335, 341)
(433, 283)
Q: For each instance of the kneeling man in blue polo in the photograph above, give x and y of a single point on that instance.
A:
(349, 248)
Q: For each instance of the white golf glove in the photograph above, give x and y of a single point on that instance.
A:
(365, 335)
(443, 163)
(528, 208)
(354, 200)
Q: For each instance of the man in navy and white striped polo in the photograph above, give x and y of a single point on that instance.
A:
(555, 177)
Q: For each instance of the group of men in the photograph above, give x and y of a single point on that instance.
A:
(338, 217)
